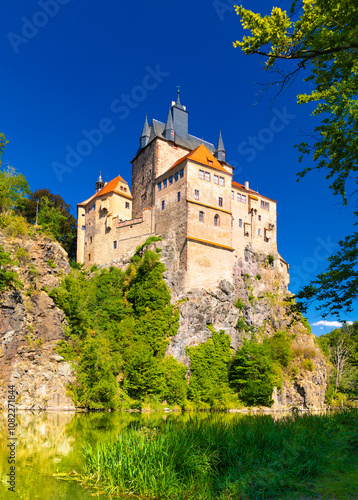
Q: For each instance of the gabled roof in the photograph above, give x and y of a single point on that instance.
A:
(110, 187)
(201, 155)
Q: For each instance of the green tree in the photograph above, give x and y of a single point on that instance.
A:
(341, 345)
(252, 373)
(209, 368)
(324, 42)
(3, 143)
(42, 204)
(13, 190)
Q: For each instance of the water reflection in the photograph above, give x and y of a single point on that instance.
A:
(48, 443)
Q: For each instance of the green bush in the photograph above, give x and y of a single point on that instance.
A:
(240, 304)
(8, 278)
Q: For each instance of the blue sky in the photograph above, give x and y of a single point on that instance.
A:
(74, 69)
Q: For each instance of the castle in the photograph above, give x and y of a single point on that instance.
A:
(183, 191)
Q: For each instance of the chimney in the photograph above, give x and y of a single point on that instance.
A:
(247, 185)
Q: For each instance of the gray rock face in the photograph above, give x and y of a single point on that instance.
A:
(259, 289)
(30, 327)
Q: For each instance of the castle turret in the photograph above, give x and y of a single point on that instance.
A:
(144, 138)
(99, 183)
(180, 117)
(220, 153)
(169, 127)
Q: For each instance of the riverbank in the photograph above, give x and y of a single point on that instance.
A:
(250, 457)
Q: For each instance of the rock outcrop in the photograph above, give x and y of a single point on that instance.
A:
(31, 325)
(257, 302)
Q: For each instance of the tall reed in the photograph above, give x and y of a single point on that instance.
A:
(250, 457)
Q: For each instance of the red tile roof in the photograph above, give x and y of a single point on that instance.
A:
(201, 155)
(110, 187)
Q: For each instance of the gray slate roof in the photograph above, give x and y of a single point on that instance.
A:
(190, 142)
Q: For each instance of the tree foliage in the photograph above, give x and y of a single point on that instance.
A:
(52, 213)
(341, 348)
(323, 40)
(13, 190)
(8, 277)
(119, 328)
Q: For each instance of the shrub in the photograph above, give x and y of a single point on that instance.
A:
(51, 264)
(240, 304)
(258, 276)
(270, 258)
(307, 364)
(8, 277)
(22, 255)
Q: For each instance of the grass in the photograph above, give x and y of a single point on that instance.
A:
(248, 458)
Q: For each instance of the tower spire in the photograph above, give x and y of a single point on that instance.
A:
(99, 183)
(144, 138)
(178, 104)
(169, 127)
(220, 153)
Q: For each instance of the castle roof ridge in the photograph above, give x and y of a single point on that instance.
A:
(201, 155)
(110, 187)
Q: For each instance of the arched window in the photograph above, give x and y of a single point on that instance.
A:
(216, 220)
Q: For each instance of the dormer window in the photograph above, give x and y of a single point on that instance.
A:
(210, 162)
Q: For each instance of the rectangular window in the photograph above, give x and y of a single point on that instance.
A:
(207, 176)
(232, 194)
(90, 240)
(196, 194)
(221, 181)
(163, 204)
(201, 216)
(176, 177)
(83, 227)
(89, 256)
(127, 203)
(165, 183)
(220, 202)
(238, 196)
(181, 173)
(263, 204)
(240, 222)
(201, 174)
(259, 232)
(178, 196)
(159, 186)
(114, 245)
(267, 206)
(259, 217)
(216, 179)
(243, 198)
(94, 206)
(170, 180)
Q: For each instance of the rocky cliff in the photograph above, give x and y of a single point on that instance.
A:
(31, 325)
(256, 302)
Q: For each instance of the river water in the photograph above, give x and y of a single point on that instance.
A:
(50, 443)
